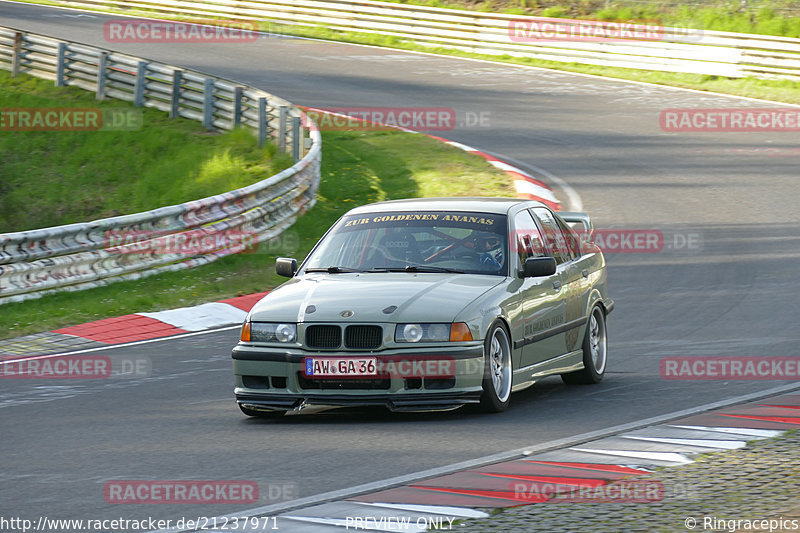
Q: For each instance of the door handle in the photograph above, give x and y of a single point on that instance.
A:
(585, 273)
(557, 285)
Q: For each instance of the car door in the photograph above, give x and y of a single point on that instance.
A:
(565, 247)
(543, 308)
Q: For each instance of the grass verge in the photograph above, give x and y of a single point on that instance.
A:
(358, 168)
(51, 178)
(766, 17)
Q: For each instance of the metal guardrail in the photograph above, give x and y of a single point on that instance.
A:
(81, 256)
(673, 49)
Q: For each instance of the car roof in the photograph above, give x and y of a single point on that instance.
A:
(472, 204)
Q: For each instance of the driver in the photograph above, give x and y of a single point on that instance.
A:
(490, 248)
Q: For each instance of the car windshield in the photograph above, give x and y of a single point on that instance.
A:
(420, 242)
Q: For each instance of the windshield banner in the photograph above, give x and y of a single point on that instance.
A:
(478, 221)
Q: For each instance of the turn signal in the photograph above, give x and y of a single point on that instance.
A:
(245, 337)
(459, 332)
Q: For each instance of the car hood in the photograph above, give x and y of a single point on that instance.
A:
(417, 297)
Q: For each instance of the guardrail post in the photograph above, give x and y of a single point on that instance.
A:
(262, 121)
(102, 62)
(60, 64)
(208, 104)
(282, 128)
(138, 89)
(175, 104)
(296, 138)
(16, 53)
(237, 106)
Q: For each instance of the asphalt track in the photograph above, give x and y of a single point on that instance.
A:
(733, 294)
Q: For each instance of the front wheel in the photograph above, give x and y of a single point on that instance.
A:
(595, 350)
(497, 370)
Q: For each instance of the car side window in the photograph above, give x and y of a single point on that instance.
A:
(554, 236)
(573, 240)
(527, 238)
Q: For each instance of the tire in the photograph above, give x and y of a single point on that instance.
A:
(595, 351)
(261, 414)
(497, 369)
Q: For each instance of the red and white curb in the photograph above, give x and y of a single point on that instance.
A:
(133, 328)
(526, 185)
(143, 326)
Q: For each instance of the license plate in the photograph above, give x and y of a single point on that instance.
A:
(332, 367)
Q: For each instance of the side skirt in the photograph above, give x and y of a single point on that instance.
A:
(562, 364)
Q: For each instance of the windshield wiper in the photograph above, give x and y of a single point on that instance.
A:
(334, 270)
(415, 268)
(419, 268)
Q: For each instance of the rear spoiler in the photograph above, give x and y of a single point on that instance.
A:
(575, 217)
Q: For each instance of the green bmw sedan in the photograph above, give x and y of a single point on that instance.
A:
(428, 305)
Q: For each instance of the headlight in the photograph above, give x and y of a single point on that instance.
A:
(422, 333)
(411, 333)
(271, 332)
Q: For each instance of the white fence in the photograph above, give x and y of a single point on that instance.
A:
(85, 255)
(667, 49)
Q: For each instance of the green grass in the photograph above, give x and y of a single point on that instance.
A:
(357, 168)
(50, 178)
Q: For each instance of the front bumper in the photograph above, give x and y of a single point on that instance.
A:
(270, 378)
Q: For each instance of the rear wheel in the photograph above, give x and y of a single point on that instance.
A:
(497, 370)
(595, 350)
(261, 414)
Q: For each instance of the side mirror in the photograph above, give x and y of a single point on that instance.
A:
(535, 267)
(286, 266)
